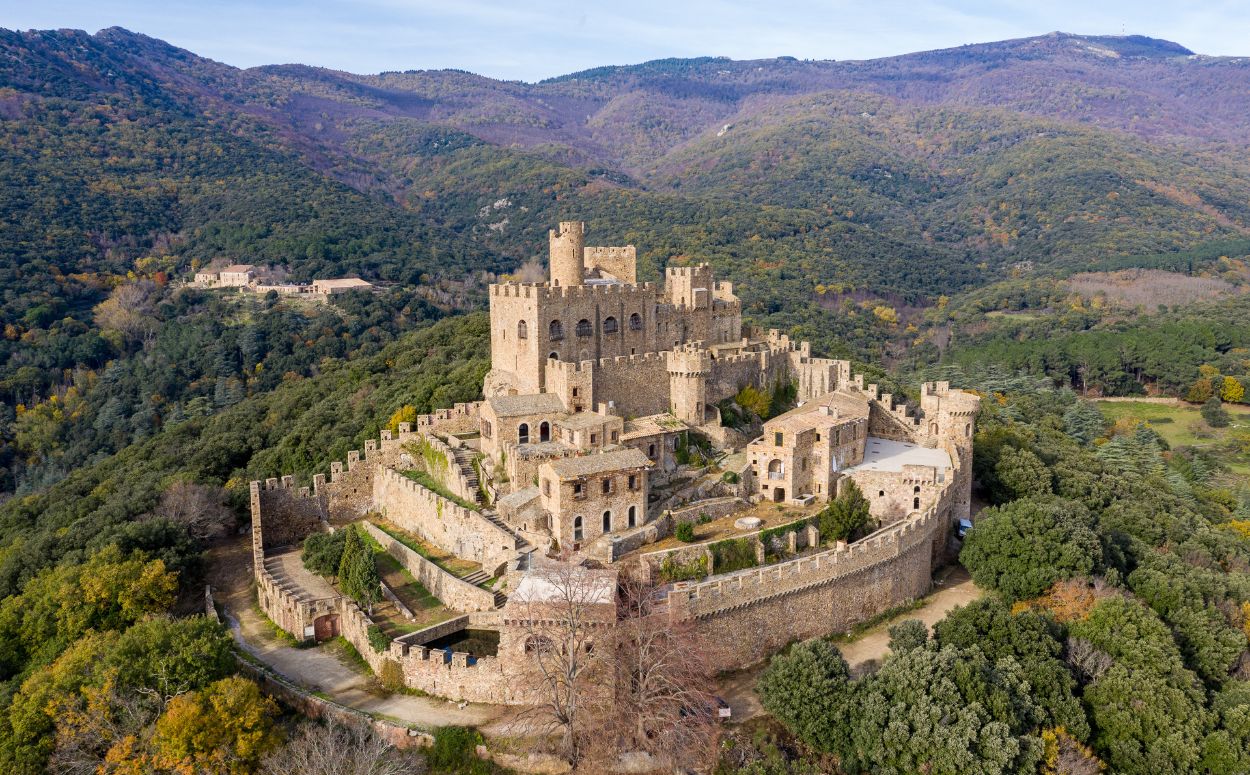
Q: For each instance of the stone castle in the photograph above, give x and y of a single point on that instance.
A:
(599, 388)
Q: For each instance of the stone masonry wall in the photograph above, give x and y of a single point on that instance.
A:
(287, 606)
(453, 592)
(445, 524)
(454, 675)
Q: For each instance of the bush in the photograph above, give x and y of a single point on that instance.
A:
(378, 639)
(323, 552)
(391, 675)
(671, 570)
(730, 477)
(455, 752)
(907, 635)
(1214, 413)
(684, 532)
(732, 554)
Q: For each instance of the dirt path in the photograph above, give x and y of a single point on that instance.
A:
(863, 653)
(319, 669)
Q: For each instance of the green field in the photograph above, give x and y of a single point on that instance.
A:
(1181, 425)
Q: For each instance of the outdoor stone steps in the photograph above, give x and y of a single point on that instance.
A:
(476, 577)
(521, 543)
(464, 459)
(500, 600)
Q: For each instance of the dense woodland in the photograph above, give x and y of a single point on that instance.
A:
(983, 214)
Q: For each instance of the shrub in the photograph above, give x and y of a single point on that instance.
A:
(684, 532)
(845, 517)
(807, 689)
(1215, 414)
(907, 635)
(704, 518)
(323, 552)
(455, 752)
(391, 675)
(733, 554)
(671, 570)
(378, 639)
(731, 477)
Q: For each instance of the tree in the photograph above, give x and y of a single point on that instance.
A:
(323, 552)
(943, 711)
(1232, 391)
(1022, 548)
(1200, 391)
(907, 635)
(1084, 422)
(225, 728)
(338, 749)
(566, 614)
(1214, 413)
(406, 413)
(664, 678)
(808, 689)
(844, 516)
(1020, 474)
(358, 571)
(199, 508)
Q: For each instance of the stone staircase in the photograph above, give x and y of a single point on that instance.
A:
(285, 583)
(464, 460)
(478, 578)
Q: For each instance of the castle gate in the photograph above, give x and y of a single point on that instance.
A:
(326, 627)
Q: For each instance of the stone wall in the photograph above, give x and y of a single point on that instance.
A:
(454, 675)
(452, 592)
(712, 507)
(447, 525)
(285, 604)
(753, 613)
(636, 385)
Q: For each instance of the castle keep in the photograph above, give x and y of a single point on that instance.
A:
(600, 387)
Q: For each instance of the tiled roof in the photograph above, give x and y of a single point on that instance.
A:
(536, 403)
(573, 467)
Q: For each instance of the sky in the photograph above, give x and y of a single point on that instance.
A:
(534, 39)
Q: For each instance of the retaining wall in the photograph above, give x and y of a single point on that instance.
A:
(444, 523)
(452, 592)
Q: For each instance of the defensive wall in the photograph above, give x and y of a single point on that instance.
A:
(752, 613)
(454, 592)
(291, 514)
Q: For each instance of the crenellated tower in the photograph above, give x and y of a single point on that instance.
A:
(949, 418)
(688, 370)
(567, 253)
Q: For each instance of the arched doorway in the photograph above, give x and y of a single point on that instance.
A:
(633, 516)
(607, 521)
(325, 627)
(544, 431)
(779, 495)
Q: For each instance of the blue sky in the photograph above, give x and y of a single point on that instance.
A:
(542, 38)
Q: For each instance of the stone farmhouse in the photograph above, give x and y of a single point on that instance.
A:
(254, 279)
(599, 387)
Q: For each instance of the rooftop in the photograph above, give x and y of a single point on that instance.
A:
(651, 425)
(535, 403)
(343, 282)
(847, 407)
(237, 269)
(574, 467)
(579, 420)
(886, 455)
(574, 584)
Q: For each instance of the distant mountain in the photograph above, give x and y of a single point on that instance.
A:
(899, 178)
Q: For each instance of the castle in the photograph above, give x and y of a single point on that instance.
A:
(599, 387)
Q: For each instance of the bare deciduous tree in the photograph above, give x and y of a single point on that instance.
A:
(200, 508)
(128, 310)
(664, 676)
(331, 749)
(566, 614)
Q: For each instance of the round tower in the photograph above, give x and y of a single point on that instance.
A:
(568, 248)
(949, 420)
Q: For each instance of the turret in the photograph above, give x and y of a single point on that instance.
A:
(949, 417)
(568, 246)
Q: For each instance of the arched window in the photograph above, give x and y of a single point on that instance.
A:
(523, 433)
(555, 356)
(539, 644)
(633, 515)
(933, 429)
(651, 451)
(609, 325)
(916, 489)
(544, 431)
(915, 503)
(968, 429)
(635, 322)
(555, 331)
(776, 469)
(607, 521)
(577, 528)
(584, 328)
(522, 330)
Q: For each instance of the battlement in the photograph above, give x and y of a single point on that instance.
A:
(690, 358)
(548, 293)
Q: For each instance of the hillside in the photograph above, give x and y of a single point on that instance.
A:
(846, 199)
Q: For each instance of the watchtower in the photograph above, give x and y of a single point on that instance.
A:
(567, 251)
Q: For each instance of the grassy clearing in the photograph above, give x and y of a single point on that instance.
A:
(1181, 425)
(426, 608)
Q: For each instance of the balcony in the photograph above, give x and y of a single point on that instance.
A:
(777, 476)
